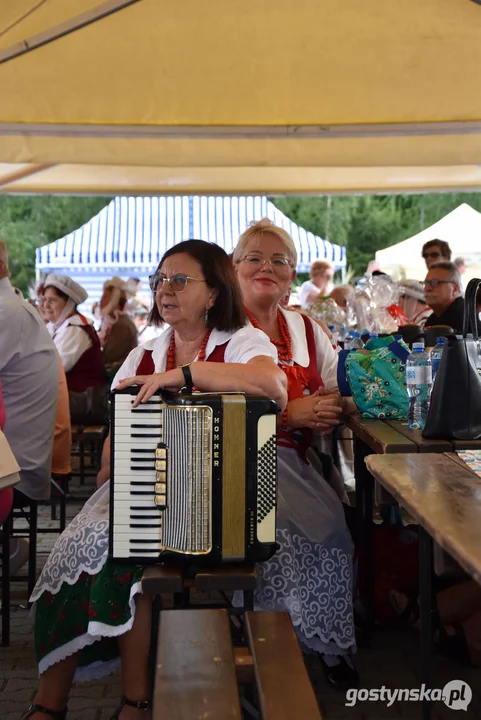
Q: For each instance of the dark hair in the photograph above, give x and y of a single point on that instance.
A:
(443, 246)
(227, 313)
(57, 292)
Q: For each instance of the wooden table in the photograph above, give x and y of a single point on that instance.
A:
(384, 438)
(444, 496)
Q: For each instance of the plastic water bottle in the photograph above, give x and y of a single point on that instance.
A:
(355, 341)
(436, 353)
(419, 382)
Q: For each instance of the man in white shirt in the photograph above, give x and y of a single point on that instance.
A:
(29, 378)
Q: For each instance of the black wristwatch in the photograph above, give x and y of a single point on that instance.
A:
(188, 387)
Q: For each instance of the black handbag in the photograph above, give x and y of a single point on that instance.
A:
(455, 409)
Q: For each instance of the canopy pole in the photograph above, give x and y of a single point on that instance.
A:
(47, 36)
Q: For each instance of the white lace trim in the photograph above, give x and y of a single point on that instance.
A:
(96, 631)
(82, 547)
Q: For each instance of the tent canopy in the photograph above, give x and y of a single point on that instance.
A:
(129, 236)
(235, 97)
(461, 228)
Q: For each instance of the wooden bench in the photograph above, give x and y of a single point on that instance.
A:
(164, 579)
(198, 672)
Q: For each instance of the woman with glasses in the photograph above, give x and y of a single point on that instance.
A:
(87, 608)
(311, 574)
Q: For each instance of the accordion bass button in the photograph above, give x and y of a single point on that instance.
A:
(160, 500)
(161, 465)
(161, 453)
(160, 488)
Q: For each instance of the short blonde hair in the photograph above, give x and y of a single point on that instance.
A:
(265, 226)
(320, 266)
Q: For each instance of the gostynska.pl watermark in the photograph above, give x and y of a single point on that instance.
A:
(456, 694)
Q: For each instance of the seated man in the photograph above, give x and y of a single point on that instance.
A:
(442, 290)
(29, 377)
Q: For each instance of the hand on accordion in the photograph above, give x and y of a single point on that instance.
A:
(151, 383)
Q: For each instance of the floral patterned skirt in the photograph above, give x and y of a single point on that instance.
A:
(87, 617)
(84, 601)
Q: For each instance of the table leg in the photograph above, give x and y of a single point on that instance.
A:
(364, 502)
(426, 607)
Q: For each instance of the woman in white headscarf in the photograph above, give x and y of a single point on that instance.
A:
(79, 348)
(118, 334)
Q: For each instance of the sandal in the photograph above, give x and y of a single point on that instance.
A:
(139, 704)
(36, 708)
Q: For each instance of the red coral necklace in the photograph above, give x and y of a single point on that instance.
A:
(171, 365)
(284, 346)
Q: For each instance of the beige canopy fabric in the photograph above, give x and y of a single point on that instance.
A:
(234, 97)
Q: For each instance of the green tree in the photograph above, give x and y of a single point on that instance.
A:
(27, 222)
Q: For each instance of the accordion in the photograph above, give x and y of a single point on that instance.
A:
(192, 476)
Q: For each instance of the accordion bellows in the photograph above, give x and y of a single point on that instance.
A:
(193, 476)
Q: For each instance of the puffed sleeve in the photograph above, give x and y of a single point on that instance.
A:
(129, 366)
(247, 343)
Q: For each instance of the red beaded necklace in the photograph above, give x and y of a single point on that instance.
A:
(171, 352)
(284, 346)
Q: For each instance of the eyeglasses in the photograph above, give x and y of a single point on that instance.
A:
(434, 283)
(434, 254)
(177, 282)
(260, 262)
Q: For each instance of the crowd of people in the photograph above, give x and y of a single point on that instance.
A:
(225, 318)
(436, 300)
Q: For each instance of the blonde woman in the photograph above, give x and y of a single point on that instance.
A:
(311, 574)
(321, 273)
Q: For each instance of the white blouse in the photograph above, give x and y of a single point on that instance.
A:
(71, 341)
(245, 344)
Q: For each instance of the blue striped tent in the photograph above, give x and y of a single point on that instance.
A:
(129, 236)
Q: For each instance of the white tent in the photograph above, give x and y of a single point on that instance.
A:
(129, 236)
(461, 228)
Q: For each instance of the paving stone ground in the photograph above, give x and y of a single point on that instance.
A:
(391, 660)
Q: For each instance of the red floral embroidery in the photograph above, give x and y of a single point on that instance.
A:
(91, 612)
